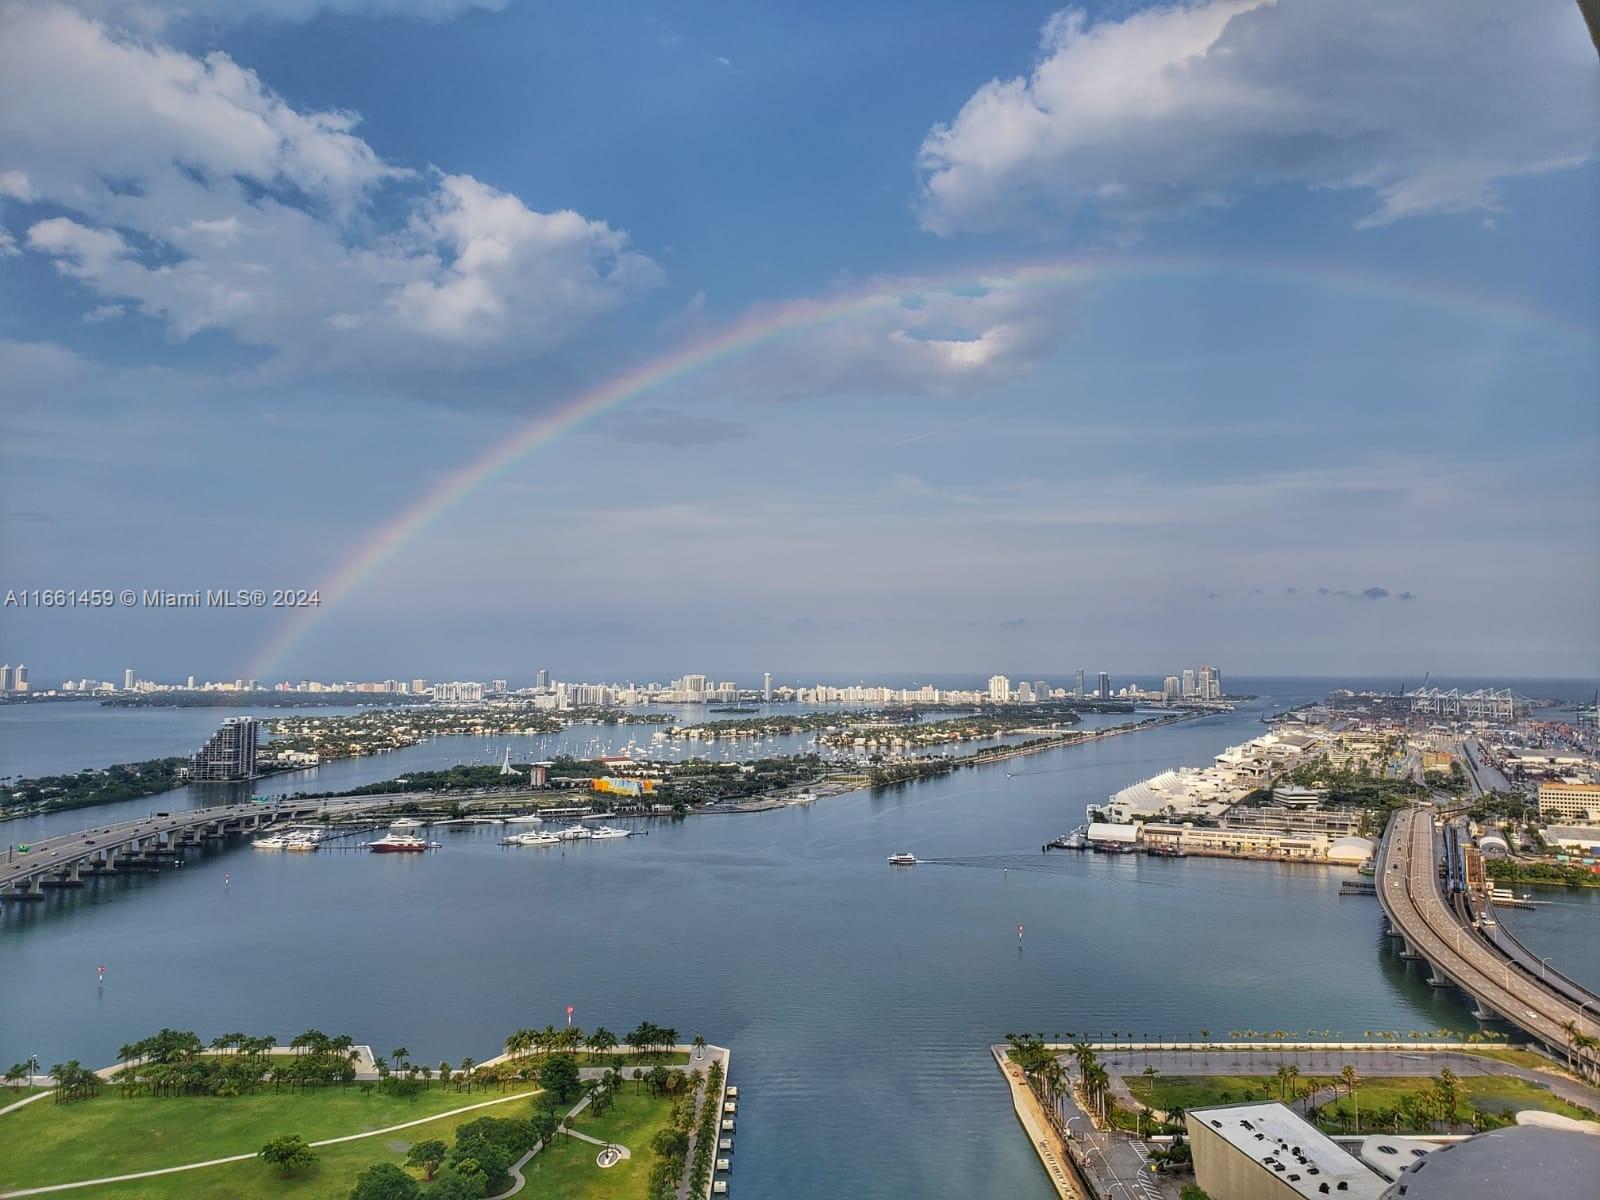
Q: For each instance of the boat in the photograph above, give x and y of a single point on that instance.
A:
(535, 838)
(1078, 839)
(301, 843)
(406, 823)
(398, 843)
(803, 798)
(274, 842)
(525, 819)
(574, 833)
(604, 832)
(902, 858)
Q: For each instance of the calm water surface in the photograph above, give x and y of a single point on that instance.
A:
(858, 999)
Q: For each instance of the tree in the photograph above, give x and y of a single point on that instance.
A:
(427, 1155)
(1193, 1191)
(16, 1073)
(385, 1181)
(1351, 1082)
(699, 1045)
(602, 1041)
(288, 1153)
(558, 1075)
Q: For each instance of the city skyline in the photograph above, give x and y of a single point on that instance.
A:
(803, 398)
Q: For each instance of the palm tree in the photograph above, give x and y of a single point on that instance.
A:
(467, 1067)
(16, 1073)
(398, 1054)
(699, 1045)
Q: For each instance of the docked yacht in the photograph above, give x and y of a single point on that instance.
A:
(535, 838)
(574, 833)
(525, 819)
(406, 823)
(272, 842)
(605, 832)
(398, 843)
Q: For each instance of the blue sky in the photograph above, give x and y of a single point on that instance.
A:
(270, 271)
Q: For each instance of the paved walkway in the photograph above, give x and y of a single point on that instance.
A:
(233, 1158)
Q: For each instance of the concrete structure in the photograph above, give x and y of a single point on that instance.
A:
(1265, 1152)
(1574, 802)
(1584, 838)
(229, 755)
(1502, 978)
(1531, 1160)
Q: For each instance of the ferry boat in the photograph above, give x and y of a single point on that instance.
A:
(535, 838)
(398, 843)
(1078, 839)
(902, 858)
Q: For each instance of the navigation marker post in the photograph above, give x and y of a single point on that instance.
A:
(569, 1016)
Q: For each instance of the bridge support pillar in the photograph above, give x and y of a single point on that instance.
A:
(1406, 949)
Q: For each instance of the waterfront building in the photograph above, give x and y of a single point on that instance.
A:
(19, 678)
(1562, 800)
(541, 679)
(1104, 689)
(1077, 684)
(1025, 692)
(999, 689)
(1264, 1151)
(128, 680)
(5, 678)
(1171, 689)
(498, 686)
(1041, 690)
(766, 686)
(457, 693)
(190, 683)
(1190, 690)
(1209, 683)
(230, 754)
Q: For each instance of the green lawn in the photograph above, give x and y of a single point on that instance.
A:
(331, 1178)
(567, 1171)
(1480, 1093)
(110, 1135)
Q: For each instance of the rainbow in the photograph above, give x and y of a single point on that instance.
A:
(768, 323)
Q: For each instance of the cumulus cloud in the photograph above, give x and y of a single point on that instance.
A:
(197, 196)
(1424, 106)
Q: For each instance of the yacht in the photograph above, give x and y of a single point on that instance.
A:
(398, 843)
(301, 842)
(406, 823)
(803, 798)
(525, 819)
(535, 838)
(574, 833)
(903, 858)
(274, 842)
(603, 832)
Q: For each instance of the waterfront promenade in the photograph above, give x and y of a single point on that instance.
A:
(1408, 888)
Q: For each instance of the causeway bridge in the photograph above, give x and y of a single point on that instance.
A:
(1501, 982)
(153, 843)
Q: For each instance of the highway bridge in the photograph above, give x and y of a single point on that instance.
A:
(1502, 983)
(154, 842)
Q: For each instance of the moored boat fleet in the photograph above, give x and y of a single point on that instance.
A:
(573, 833)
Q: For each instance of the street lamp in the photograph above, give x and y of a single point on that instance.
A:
(1543, 963)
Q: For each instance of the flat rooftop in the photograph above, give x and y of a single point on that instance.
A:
(1301, 1156)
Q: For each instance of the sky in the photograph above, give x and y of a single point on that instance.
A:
(832, 339)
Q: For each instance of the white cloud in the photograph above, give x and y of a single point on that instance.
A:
(104, 312)
(204, 200)
(908, 337)
(1425, 106)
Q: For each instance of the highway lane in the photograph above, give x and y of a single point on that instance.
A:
(1409, 886)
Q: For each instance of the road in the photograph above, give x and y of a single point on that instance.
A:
(1408, 887)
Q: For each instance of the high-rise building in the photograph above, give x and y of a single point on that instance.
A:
(1209, 683)
(190, 683)
(419, 686)
(1041, 690)
(694, 688)
(497, 685)
(1103, 689)
(542, 679)
(5, 678)
(229, 755)
(1190, 688)
(1024, 692)
(19, 678)
(1171, 689)
(1077, 684)
(128, 679)
(999, 689)
(766, 686)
